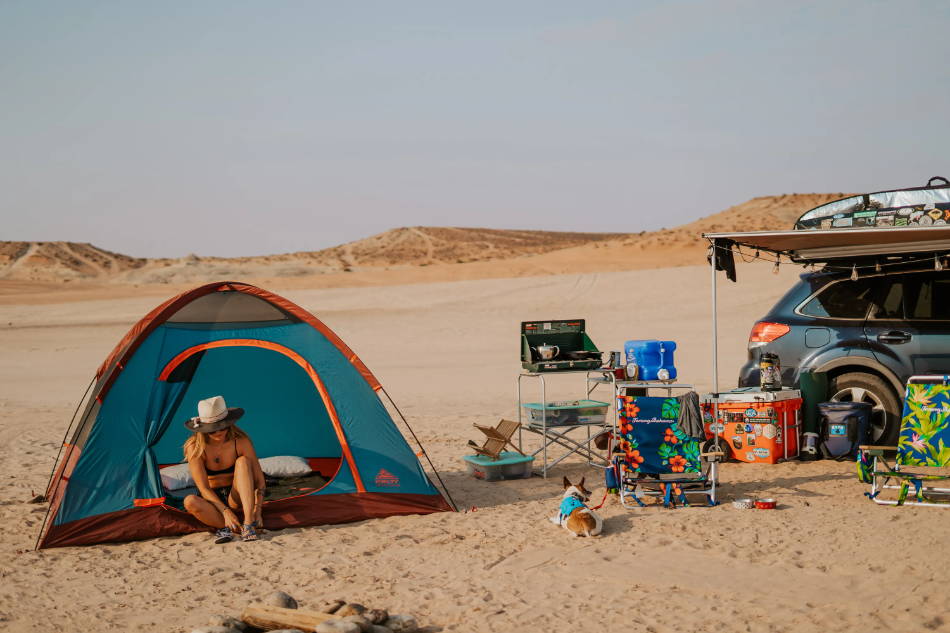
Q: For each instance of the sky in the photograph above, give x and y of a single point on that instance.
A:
(159, 129)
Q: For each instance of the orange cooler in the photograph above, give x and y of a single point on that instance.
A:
(756, 426)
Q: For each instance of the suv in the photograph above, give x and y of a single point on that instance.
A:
(870, 334)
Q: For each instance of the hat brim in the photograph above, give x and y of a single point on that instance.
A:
(195, 425)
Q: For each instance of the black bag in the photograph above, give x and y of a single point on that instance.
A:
(844, 427)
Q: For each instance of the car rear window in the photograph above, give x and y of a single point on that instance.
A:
(841, 300)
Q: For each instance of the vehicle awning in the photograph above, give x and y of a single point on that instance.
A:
(821, 245)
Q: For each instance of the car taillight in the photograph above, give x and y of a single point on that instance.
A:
(764, 332)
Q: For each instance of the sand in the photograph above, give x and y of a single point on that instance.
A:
(826, 558)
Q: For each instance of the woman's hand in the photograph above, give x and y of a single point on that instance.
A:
(231, 520)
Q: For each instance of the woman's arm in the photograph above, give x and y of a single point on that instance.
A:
(246, 448)
(200, 475)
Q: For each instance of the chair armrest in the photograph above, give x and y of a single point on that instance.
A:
(712, 454)
(874, 449)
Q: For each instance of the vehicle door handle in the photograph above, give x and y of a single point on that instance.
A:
(893, 337)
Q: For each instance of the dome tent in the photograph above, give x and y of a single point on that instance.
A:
(304, 392)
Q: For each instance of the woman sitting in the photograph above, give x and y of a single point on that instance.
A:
(226, 471)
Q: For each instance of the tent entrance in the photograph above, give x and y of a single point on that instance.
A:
(286, 408)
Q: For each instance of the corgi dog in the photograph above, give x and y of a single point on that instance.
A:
(573, 515)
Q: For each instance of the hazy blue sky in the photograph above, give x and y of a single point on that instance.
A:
(232, 128)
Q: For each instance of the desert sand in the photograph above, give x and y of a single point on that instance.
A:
(826, 558)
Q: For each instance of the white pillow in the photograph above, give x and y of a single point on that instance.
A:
(285, 466)
(176, 477)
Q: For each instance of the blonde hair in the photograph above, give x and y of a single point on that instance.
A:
(196, 444)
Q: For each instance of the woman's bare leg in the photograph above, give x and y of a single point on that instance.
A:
(204, 511)
(244, 487)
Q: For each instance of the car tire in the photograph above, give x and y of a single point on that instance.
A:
(863, 387)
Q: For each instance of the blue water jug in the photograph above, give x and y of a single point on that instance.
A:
(650, 357)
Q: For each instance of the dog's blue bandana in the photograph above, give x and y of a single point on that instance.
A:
(569, 505)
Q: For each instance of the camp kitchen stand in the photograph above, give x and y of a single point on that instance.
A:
(560, 434)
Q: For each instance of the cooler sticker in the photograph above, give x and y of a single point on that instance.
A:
(740, 429)
(750, 456)
(750, 413)
(762, 453)
(751, 439)
(737, 442)
(758, 429)
(778, 435)
(748, 428)
(769, 431)
(717, 427)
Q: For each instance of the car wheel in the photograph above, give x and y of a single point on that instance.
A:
(861, 387)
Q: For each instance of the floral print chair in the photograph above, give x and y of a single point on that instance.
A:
(655, 456)
(924, 442)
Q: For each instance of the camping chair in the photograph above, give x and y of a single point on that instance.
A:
(924, 442)
(656, 458)
(497, 438)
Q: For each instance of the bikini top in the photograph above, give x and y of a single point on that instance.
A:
(223, 471)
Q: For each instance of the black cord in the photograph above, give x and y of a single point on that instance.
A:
(424, 453)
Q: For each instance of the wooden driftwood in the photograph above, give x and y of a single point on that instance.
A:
(269, 618)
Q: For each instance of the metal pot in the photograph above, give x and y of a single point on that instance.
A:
(547, 352)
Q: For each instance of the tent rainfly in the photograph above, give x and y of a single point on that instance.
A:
(305, 394)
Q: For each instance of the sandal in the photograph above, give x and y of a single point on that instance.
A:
(248, 533)
(223, 535)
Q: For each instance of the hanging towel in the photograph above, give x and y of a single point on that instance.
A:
(690, 418)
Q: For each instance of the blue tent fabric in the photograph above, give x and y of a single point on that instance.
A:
(262, 368)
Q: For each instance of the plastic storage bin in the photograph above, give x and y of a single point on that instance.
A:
(567, 413)
(651, 356)
(509, 465)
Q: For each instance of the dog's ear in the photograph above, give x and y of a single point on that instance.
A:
(567, 483)
(581, 485)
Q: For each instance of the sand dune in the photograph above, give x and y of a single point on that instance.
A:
(827, 557)
(405, 255)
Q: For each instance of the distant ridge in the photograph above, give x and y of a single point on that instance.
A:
(412, 247)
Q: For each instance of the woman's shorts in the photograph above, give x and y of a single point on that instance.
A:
(224, 493)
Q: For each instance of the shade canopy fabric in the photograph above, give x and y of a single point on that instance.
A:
(835, 244)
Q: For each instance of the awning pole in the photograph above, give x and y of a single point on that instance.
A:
(715, 352)
(715, 324)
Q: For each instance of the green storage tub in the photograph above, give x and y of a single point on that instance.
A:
(567, 413)
(509, 465)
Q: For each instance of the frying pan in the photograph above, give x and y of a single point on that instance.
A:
(580, 355)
